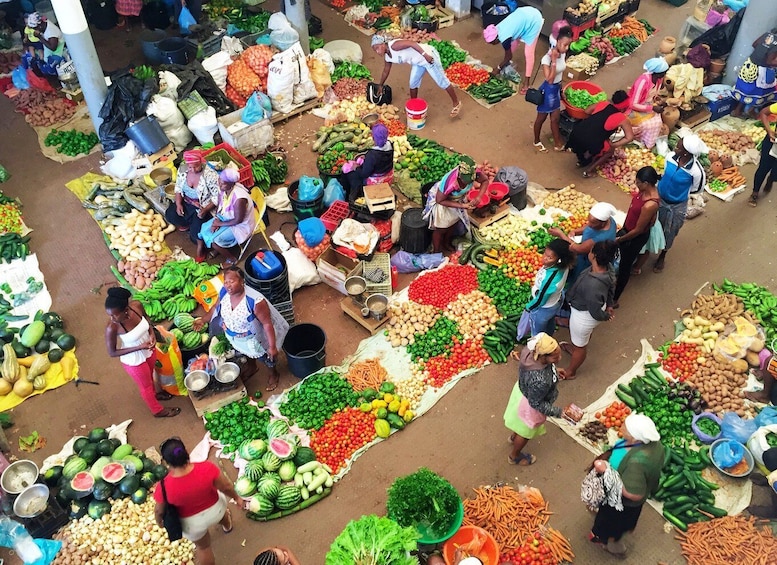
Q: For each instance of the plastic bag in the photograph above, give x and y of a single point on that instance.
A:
(312, 231)
(736, 428)
(217, 65)
(185, 20)
(169, 362)
(282, 76)
(4, 174)
(168, 85)
(324, 56)
(759, 441)
(282, 35)
(511, 74)
(302, 271)
(319, 74)
(767, 417)
(204, 125)
(15, 535)
(19, 78)
(344, 50)
(728, 453)
(334, 191)
(408, 263)
(253, 111)
(310, 188)
(384, 97)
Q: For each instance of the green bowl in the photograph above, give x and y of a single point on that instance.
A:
(427, 538)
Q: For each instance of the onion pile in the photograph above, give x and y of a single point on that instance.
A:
(258, 59)
(410, 388)
(348, 87)
(243, 79)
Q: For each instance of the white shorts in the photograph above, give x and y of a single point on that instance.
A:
(434, 69)
(581, 326)
(195, 527)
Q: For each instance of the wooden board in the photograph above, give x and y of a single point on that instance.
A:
(369, 323)
(219, 400)
(696, 119)
(278, 117)
(481, 222)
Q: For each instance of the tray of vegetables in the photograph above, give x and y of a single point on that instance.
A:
(347, 69)
(494, 90)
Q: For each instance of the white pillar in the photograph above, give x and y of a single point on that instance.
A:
(295, 12)
(80, 45)
(760, 16)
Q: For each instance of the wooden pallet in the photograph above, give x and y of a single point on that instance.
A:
(215, 401)
(483, 221)
(355, 312)
(278, 117)
(444, 17)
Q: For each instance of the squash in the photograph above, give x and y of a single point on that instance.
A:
(67, 364)
(5, 387)
(23, 388)
(25, 361)
(39, 383)
(40, 365)
(10, 367)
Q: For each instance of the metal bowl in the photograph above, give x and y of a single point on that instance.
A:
(169, 191)
(227, 372)
(196, 380)
(32, 501)
(370, 119)
(18, 476)
(161, 176)
(748, 458)
(377, 304)
(355, 285)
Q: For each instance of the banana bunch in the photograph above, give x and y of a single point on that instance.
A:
(171, 292)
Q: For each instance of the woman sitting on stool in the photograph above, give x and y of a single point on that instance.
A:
(376, 167)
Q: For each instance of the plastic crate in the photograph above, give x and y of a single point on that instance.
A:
(576, 20)
(578, 30)
(335, 214)
(633, 5)
(604, 15)
(250, 40)
(721, 108)
(192, 105)
(286, 309)
(225, 153)
(252, 139)
(210, 46)
(383, 262)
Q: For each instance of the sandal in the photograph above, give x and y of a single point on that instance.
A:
(565, 346)
(586, 175)
(271, 387)
(658, 267)
(162, 395)
(228, 529)
(636, 272)
(523, 460)
(228, 263)
(524, 90)
(199, 259)
(168, 413)
(561, 149)
(753, 200)
(456, 110)
(540, 147)
(511, 438)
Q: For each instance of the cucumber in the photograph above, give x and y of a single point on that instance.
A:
(628, 400)
(679, 510)
(714, 510)
(139, 203)
(674, 481)
(625, 388)
(674, 520)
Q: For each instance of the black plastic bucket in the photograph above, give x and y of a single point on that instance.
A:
(414, 234)
(148, 135)
(519, 199)
(305, 349)
(276, 289)
(304, 208)
(102, 15)
(174, 50)
(149, 44)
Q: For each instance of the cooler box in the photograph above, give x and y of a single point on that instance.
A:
(266, 265)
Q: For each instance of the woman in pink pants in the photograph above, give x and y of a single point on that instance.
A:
(130, 337)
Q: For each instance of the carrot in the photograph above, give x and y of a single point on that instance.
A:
(366, 374)
(731, 539)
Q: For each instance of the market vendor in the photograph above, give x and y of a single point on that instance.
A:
(522, 25)
(447, 205)
(645, 116)
(278, 555)
(756, 84)
(767, 164)
(376, 167)
(766, 373)
(770, 463)
(234, 223)
(590, 138)
(423, 58)
(252, 325)
(196, 195)
(51, 39)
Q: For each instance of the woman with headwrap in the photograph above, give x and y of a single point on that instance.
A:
(531, 401)
(683, 175)
(590, 138)
(277, 555)
(638, 458)
(600, 227)
(196, 194)
(523, 25)
(446, 203)
(553, 66)
(422, 58)
(234, 222)
(199, 492)
(645, 116)
(130, 337)
(548, 290)
(767, 165)
(376, 167)
(756, 84)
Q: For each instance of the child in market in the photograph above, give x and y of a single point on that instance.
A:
(767, 373)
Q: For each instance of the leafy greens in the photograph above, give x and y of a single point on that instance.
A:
(423, 499)
(373, 540)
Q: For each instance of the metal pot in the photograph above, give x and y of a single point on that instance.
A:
(32, 502)
(18, 476)
(227, 372)
(196, 380)
(377, 305)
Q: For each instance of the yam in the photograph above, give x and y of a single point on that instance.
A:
(752, 359)
(740, 366)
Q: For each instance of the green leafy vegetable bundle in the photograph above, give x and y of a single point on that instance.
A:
(423, 499)
(581, 98)
(371, 540)
(350, 70)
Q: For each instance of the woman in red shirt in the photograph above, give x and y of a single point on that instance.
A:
(199, 491)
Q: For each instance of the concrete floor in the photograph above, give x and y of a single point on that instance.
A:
(463, 436)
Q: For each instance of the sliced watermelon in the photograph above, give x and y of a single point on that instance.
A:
(282, 449)
(113, 473)
(82, 483)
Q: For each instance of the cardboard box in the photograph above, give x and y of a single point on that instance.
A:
(334, 268)
(571, 75)
(379, 197)
(720, 108)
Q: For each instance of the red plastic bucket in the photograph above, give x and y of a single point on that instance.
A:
(416, 109)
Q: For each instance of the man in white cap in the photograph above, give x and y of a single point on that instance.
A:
(683, 176)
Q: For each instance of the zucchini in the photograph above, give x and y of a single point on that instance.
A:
(679, 510)
(320, 141)
(628, 400)
(334, 140)
(624, 388)
(674, 520)
(139, 203)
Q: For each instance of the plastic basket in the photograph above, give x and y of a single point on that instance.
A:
(383, 262)
(336, 213)
(250, 40)
(225, 154)
(210, 46)
(576, 20)
(428, 538)
(286, 309)
(704, 438)
(192, 105)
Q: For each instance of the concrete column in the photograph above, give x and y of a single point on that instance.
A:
(295, 12)
(79, 44)
(760, 16)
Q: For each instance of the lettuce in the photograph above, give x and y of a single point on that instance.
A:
(373, 540)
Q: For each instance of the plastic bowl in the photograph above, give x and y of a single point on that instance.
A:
(573, 111)
(428, 538)
(472, 196)
(465, 534)
(498, 190)
(748, 458)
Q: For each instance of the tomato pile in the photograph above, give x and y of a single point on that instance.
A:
(395, 127)
(522, 263)
(439, 288)
(463, 355)
(464, 76)
(680, 360)
(571, 223)
(614, 415)
(533, 551)
(345, 432)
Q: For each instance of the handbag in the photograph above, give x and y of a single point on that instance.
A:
(383, 98)
(535, 95)
(170, 518)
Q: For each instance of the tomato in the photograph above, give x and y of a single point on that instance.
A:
(341, 435)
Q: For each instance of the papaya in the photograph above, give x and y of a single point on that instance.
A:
(382, 428)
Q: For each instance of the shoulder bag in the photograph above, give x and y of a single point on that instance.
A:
(535, 95)
(171, 519)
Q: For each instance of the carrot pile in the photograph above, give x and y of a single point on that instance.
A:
(630, 26)
(731, 539)
(732, 177)
(390, 12)
(559, 546)
(366, 374)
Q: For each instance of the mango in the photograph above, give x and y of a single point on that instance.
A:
(382, 428)
(381, 413)
(379, 404)
(394, 406)
(365, 407)
(388, 398)
(408, 416)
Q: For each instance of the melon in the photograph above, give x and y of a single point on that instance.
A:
(79, 444)
(282, 449)
(244, 487)
(287, 470)
(277, 428)
(288, 497)
(121, 452)
(269, 485)
(270, 461)
(260, 505)
(82, 483)
(147, 479)
(52, 475)
(133, 461)
(113, 473)
(254, 470)
(304, 455)
(78, 509)
(129, 484)
(98, 508)
(101, 490)
(183, 321)
(75, 465)
(252, 449)
(139, 496)
(97, 468)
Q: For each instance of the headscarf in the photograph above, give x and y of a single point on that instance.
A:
(541, 344)
(466, 169)
(694, 145)
(229, 175)
(33, 20)
(490, 33)
(379, 134)
(623, 105)
(602, 211)
(193, 157)
(378, 39)
(641, 428)
(656, 65)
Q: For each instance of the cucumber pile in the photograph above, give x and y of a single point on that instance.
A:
(499, 342)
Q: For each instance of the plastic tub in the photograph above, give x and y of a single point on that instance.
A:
(573, 111)
(465, 535)
(472, 196)
(748, 457)
(149, 44)
(430, 539)
(174, 50)
(498, 190)
(275, 289)
(416, 109)
(148, 135)
(305, 349)
(303, 209)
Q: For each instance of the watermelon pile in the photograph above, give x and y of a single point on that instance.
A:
(100, 470)
(184, 332)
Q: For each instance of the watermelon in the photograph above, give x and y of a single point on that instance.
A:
(97, 468)
(98, 508)
(129, 484)
(282, 449)
(75, 465)
(121, 452)
(115, 442)
(82, 483)
(178, 334)
(147, 479)
(269, 485)
(244, 487)
(277, 428)
(117, 494)
(89, 454)
(113, 473)
(139, 496)
(260, 505)
(78, 509)
(252, 449)
(101, 490)
(134, 462)
(288, 497)
(66, 494)
(304, 455)
(270, 462)
(79, 444)
(148, 465)
(183, 321)
(287, 470)
(254, 470)
(97, 435)
(105, 447)
(160, 472)
(52, 475)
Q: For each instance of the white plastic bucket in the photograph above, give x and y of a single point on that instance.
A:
(416, 109)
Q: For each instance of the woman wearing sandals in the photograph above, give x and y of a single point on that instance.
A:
(553, 66)
(767, 166)
(199, 491)
(524, 24)
(531, 401)
(130, 337)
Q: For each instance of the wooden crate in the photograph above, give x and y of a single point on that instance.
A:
(354, 312)
(482, 221)
(219, 400)
(697, 118)
(379, 197)
(604, 14)
(444, 17)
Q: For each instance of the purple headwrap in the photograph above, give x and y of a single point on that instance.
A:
(229, 175)
(379, 134)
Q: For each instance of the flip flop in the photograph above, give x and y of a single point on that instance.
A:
(524, 90)
(560, 149)
(565, 347)
(231, 525)
(540, 147)
(586, 175)
(658, 268)
(523, 460)
(271, 387)
(168, 413)
(456, 110)
(228, 263)
(163, 395)
(595, 540)
(199, 259)
(753, 200)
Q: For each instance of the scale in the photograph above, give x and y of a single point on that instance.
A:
(217, 395)
(371, 312)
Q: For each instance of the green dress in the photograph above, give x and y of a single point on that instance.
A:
(537, 389)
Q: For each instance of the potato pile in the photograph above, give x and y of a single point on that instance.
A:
(622, 168)
(417, 35)
(720, 384)
(140, 273)
(137, 233)
(348, 87)
(585, 8)
(726, 141)
(754, 131)
(9, 61)
(716, 307)
(488, 169)
(474, 313)
(408, 319)
(351, 109)
(583, 62)
(570, 200)
(28, 99)
(50, 113)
